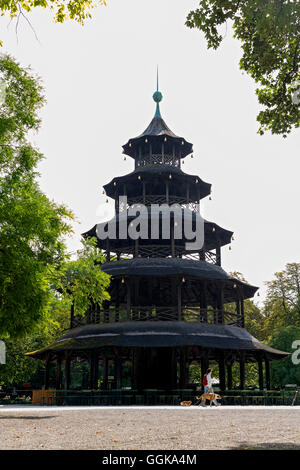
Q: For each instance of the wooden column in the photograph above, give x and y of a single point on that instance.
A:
(242, 372)
(204, 364)
(58, 373)
(179, 285)
(67, 370)
(242, 314)
(203, 301)
(136, 248)
(96, 369)
(47, 371)
(105, 372)
(182, 367)
(117, 311)
(222, 371)
(218, 255)
(268, 378)
(118, 370)
(92, 369)
(167, 191)
(220, 304)
(260, 373)
(128, 298)
(229, 376)
(172, 239)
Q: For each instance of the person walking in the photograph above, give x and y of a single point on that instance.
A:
(207, 383)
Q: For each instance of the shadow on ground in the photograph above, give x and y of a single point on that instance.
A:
(267, 446)
(27, 417)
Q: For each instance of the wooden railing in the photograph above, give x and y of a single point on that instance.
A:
(152, 313)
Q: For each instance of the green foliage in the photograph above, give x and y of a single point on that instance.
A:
(282, 305)
(77, 10)
(19, 368)
(285, 372)
(32, 227)
(269, 34)
(81, 281)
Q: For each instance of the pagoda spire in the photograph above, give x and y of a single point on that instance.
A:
(157, 96)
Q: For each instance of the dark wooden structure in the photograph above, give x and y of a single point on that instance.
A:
(169, 307)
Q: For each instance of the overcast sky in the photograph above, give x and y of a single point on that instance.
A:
(99, 80)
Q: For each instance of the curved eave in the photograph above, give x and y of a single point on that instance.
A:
(214, 236)
(178, 267)
(160, 334)
(147, 173)
(157, 131)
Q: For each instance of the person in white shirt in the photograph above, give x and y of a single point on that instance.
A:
(208, 388)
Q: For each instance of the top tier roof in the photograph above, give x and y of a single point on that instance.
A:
(157, 131)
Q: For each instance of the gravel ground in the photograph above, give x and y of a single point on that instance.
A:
(150, 428)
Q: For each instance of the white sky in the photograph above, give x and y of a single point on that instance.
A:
(99, 80)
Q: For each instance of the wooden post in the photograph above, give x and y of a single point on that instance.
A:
(221, 304)
(203, 301)
(204, 363)
(118, 370)
(242, 314)
(128, 298)
(58, 372)
(96, 370)
(167, 191)
(67, 370)
(222, 371)
(92, 369)
(136, 248)
(218, 255)
(260, 373)
(229, 376)
(47, 371)
(268, 378)
(179, 299)
(242, 372)
(117, 311)
(172, 239)
(105, 372)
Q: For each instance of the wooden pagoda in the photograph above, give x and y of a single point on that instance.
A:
(169, 307)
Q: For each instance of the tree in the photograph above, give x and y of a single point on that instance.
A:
(269, 34)
(77, 10)
(282, 305)
(285, 371)
(32, 228)
(19, 368)
(81, 281)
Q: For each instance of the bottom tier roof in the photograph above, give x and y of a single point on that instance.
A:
(160, 334)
